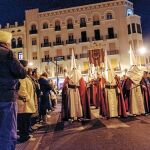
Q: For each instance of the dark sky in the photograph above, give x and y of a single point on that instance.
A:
(13, 10)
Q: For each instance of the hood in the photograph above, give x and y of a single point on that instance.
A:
(135, 74)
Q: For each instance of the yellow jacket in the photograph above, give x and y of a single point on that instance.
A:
(27, 100)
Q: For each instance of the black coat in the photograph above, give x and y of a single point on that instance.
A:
(10, 71)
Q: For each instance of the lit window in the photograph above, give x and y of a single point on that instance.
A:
(20, 55)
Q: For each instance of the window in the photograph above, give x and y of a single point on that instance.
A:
(129, 29)
(13, 43)
(109, 16)
(82, 22)
(58, 39)
(46, 40)
(19, 30)
(96, 20)
(33, 27)
(110, 33)
(83, 36)
(138, 28)
(34, 42)
(57, 26)
(133, 28)
(97, 34)
(19, 42)
(70, 37)
(69, 24)
(46, 55)
(34, 55)
(45, 25)
(20, 55)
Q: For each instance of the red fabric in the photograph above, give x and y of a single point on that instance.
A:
(121, 103)
(96, 57)
(84, 99)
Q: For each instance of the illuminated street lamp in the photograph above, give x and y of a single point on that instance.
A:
(142, 50)
(30, 64)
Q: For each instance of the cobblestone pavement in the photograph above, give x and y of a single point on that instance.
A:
(131, 133)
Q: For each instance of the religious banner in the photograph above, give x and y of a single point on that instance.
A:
(96, 57)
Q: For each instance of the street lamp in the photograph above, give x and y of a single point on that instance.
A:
(30, 64)
(142, 51)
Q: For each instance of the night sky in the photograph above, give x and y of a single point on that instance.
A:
(13, 10)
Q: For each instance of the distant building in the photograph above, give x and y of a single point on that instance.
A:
(51, 35)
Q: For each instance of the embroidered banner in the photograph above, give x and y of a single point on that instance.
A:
(96, 57)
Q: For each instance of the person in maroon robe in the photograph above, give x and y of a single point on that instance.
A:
(126, 86)
(84, 99)
(101, 96)
(121, 102)
(65, 106)
(145, 87)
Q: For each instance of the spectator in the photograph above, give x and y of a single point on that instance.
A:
(11, 71)
(27, 102)
(45, 101)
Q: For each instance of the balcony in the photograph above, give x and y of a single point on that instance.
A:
(70, 26)
(96, 23)
(113, 52)
(97, 38)
(58, 43)
(72, 41)
(46, 44)
(47, 59)
(84, 40)
(111, 36)
(84, 55)
(33, 32)
(59, 58)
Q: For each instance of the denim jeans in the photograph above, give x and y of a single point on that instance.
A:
(8, 125)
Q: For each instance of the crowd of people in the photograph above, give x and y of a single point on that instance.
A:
(124, 96)
(35, 96)
(22, 94)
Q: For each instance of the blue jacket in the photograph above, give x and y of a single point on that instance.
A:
(10, 71)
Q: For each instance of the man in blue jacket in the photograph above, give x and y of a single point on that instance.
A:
(10, 71)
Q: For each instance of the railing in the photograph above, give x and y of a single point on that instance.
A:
(84, 40)
(111, 36)
(58, 43)
(33, 32)
(113, 52)
(46, 44)
(71, 41)
(69, 56)
(97, 39)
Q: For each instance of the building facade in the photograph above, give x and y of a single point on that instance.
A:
(49, 37)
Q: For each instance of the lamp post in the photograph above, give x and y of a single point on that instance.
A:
(142, 52)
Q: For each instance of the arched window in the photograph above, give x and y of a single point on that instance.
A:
(57, 26)
(33, 29)
(19, 41)
(96, 20)
(13, 43)
(45, 25)
(109, 16)
(82, 22)
(69, 24)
